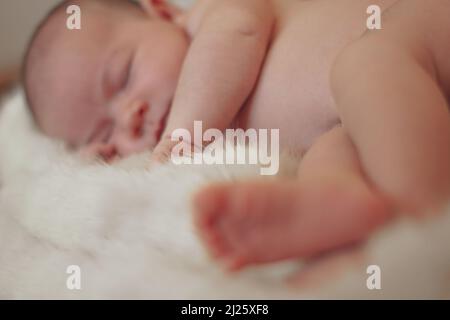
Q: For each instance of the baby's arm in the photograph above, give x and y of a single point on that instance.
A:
(221, 67)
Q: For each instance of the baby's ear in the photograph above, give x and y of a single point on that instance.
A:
(161, 9)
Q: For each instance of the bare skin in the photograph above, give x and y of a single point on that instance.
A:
(299, 217)
(391, 155)
(376, 141)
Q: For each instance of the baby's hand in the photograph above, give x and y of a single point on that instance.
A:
(163, 150)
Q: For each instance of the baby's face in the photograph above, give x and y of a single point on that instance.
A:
(109, 86)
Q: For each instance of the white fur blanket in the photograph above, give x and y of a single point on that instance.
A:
(129, 230)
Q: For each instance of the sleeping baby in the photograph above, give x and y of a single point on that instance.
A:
(368, 109)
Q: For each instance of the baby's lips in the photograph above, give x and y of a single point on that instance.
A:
(108, 153)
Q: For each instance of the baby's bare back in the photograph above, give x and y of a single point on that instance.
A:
(293, 92)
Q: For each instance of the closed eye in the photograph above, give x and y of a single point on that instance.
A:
(117, 72)
(124, 76)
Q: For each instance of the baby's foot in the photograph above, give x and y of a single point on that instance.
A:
(257, 222)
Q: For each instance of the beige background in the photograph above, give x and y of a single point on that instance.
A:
(18, 18)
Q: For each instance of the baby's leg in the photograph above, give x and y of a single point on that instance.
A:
(328, 206)
(394, 111)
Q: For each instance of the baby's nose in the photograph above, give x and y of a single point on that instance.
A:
(135, 119)
(134, 134)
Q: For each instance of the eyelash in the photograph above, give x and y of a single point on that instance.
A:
(126, 75)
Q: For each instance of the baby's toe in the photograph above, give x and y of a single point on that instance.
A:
(210, 206)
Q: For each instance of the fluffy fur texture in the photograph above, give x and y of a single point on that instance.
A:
(129, 229)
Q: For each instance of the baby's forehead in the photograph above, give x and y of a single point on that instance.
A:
(89, 11)
(54, 58)
(56, 48)
(97, 23)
